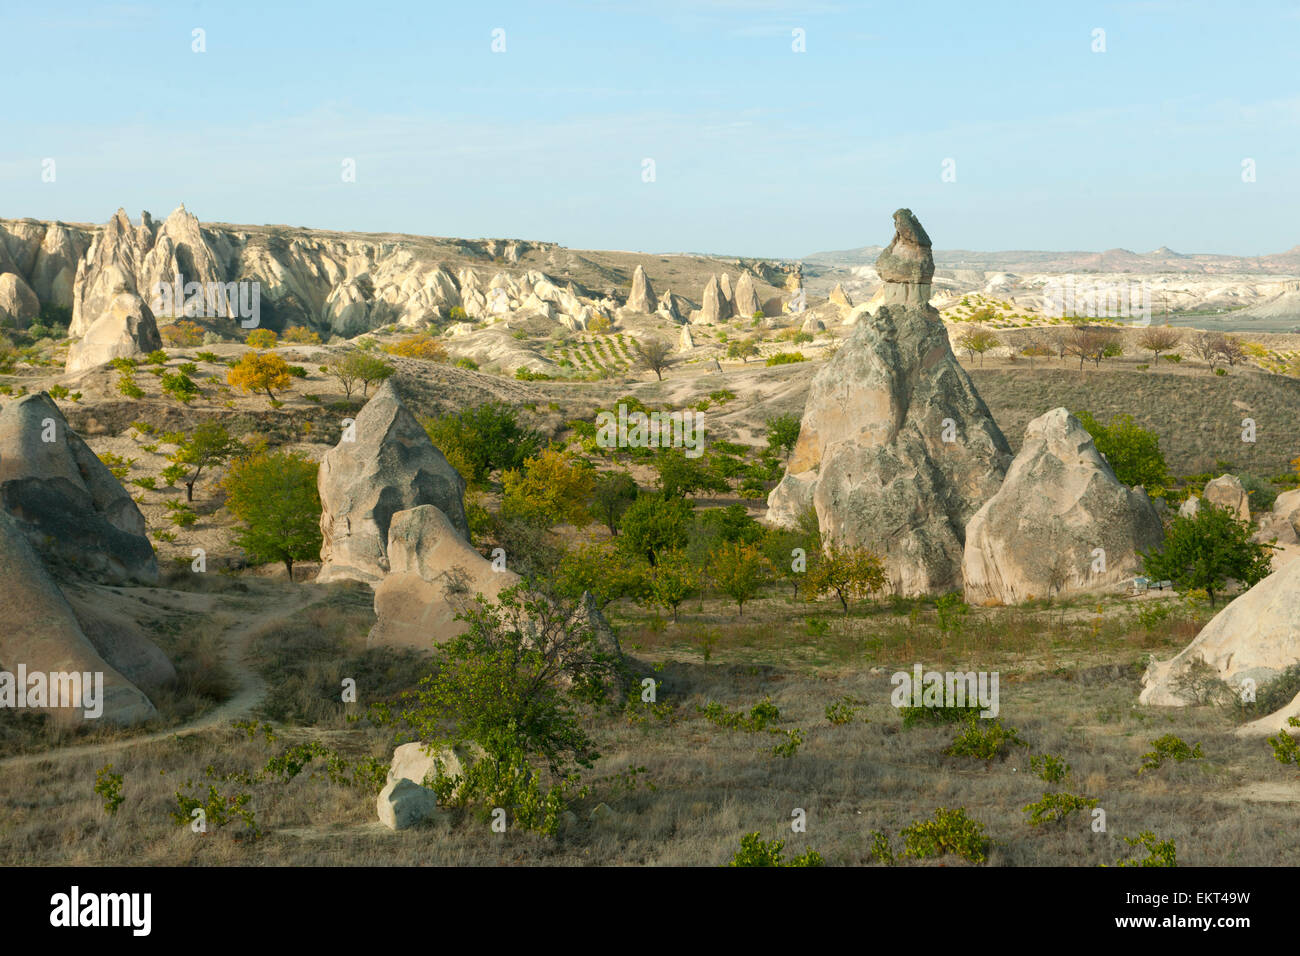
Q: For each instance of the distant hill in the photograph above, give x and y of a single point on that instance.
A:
(1163, 259)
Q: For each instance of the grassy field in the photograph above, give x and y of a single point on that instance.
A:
(1069, 676)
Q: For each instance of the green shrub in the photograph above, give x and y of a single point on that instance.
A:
(1159, 852)
(987, 742)
(842, 711)
(1056, 808)
(754, 851)
(1168, 747)
(1049, 768)
(951, 831)
(1286, 747)
(785, 358)
(109, 786)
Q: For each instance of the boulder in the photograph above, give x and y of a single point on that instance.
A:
(65, 500)
(746, 296)
(668, 307)
(840, 297)
(125, 328)
(1226, 492)
(403, 804)
(1059, 503)
(18, 303)
(391, 466)
(42, 634)
(685, 341)
(1257, 635)
(118, 639)
(642, 297)
(434, 575)
(414, 762)
(1190, 508)
(896, 451)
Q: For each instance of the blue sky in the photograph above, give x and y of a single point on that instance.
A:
(758, 150)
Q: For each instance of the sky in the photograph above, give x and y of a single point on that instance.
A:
(731, 127)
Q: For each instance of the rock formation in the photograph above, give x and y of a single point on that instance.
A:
(642, 297)
(746, 296)
(724, 289)
(1282, 527)
(907, 265)
(896, 451)
(434, 576)
(1190, 508)
(716, 306)
(668, 307)
(1256, 636)
(18, 303)
(125, 328)
(685, 342)
(840, 297)
(65, 500)
(1059, 503)
(389, 466)
(1226, 492)
(403, 804)
(42, 635)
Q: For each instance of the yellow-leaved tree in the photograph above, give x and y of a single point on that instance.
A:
(260, 372)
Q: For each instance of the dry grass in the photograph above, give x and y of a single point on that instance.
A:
(1069, 687)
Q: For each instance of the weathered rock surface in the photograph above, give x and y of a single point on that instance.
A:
(403, 804)
(685, 341)
(125, 328)
(434, 575)
(906, 265)
(715, 307)
(418, 764)
(1256, 636)
(65, 500)
(874, 456)
(746, 296)
(392, 466)
(1282, 527)
(1059, 502)
(18, 303)
(1190, 508)
(1226, 492)
(1272, 723)
(41, 633)
(642, 297)
(840, 297)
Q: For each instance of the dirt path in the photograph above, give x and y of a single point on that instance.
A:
(249, 691)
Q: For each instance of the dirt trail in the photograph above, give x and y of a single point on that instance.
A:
(249, 692)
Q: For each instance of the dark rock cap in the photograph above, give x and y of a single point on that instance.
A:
(907, 258)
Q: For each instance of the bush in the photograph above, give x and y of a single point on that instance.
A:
(951, 831)
(483, 439)
(1159, 852)
(1132, 452)
(261, 339)
(785, 358)
(1056, 808)
(301, 335)
(755, 852)
(180, 387)
(420, 347)
(109, 786)
(182, 334)
(1206, 550)
(275, 498)
(1168, 747)
(986, 741)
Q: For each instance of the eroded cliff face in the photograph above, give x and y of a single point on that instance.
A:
(333, 283)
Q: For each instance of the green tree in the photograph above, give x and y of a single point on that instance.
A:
(612, 495)
(1205, 550)
(654, 524)
(552, 488)
(654, 355)
(353, 367)
(274, 496)
(738, 570)
(672, 580)
(782, 433)
(608, 572)
(743, 349)
(680, 476)
(1132, 452)
(977, 341)
(209, 445)
(483, 439)
(848, 573)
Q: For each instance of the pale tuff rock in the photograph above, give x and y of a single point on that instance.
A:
(124, 329)
(724, 289)
(435, 575)
(1278, 720)
(1190, 508)
(840, 297)
(674, 307)
(642, 297)
(1282, 526)
(18, 303)
(797, 300)
(419, 764)
(872, 458)
(746, 296)
(906, 265)
(67, 502)
(403, 804)
(716, 306)
(685, 342)
(812, 324)
(1226, 492)
(391, 466)
(1256, 636)
(45, 256)
(42, 633)
(1060, 502)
